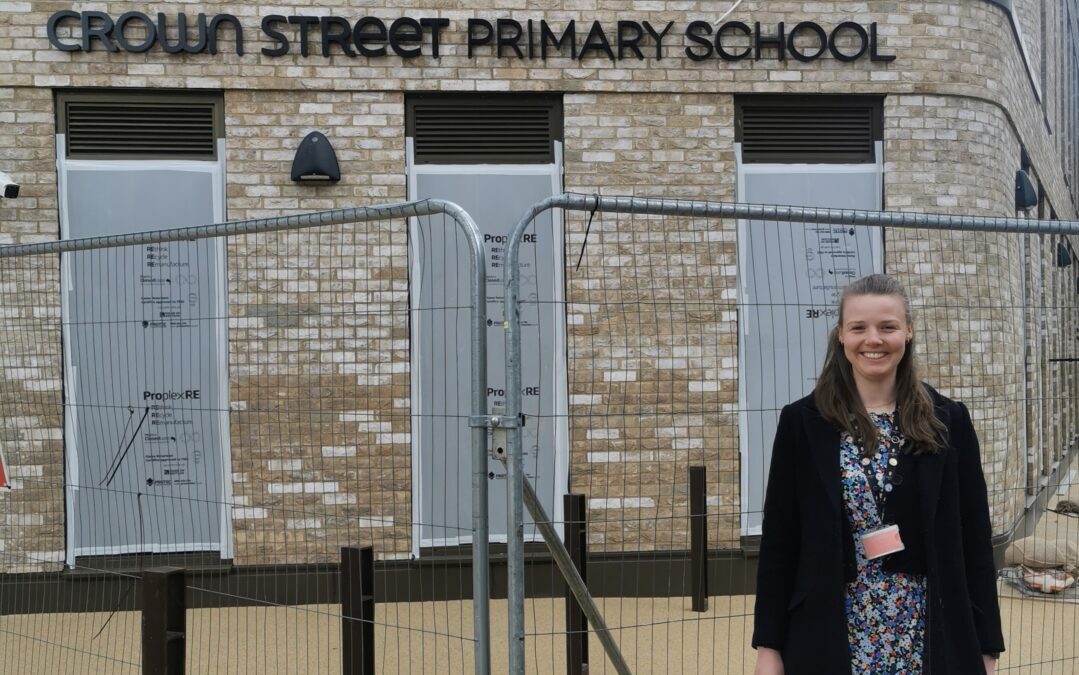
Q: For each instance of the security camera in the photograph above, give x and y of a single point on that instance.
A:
(8, 187)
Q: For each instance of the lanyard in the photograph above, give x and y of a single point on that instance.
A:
(881, 488)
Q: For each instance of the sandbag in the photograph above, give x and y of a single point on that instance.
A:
(1042, 553)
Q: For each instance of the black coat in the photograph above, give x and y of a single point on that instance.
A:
(807, 549)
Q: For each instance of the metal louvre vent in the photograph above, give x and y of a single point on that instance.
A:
(818, 132)
(140, 129)
(484, 130)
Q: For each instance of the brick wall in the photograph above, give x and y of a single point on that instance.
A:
(31, 421)
(652, 329)
(318, 337)
(944, 155)
(1028, 15)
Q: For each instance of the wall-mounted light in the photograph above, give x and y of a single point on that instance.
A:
(1064, 257)
(1025, 195)
(315, 160)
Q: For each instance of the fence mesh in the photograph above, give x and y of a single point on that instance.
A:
(686, 336)
(239, 406)
(683, 337)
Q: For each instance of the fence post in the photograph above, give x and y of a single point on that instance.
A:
(698, 533)
(577, 547)
(164, 621)
(357, 610)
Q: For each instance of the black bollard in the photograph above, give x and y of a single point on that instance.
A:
(698, 536)
(164, 621)
(357, 610)
(576, 515)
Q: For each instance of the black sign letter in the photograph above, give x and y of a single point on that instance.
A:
(147, 26)
(778, 41)
(102, 32)
(182, 45)
(212, 34)
(658, 37)
(342, 37)
(474, 38)
(511, 39)
(822, 39)
(874, 54)
(863, 39)
(268, 28)
(597, 41)
(403, 31)
(547, 37)
(691, 33)
(361, 36)
(54, 21)
(732, 26)
(435, 25)
(631, 41)
(304, 22)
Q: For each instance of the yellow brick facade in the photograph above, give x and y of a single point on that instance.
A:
(962, 96)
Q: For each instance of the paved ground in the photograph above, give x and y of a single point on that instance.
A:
(657, 635)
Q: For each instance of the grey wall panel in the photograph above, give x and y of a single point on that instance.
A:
(441, 347)
(145, 357)
(792, 275)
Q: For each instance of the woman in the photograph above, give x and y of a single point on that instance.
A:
(838, 590)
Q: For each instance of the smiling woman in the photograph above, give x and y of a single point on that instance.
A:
(860, 568)
(874, 334)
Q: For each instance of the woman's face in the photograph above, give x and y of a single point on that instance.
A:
(874, 334)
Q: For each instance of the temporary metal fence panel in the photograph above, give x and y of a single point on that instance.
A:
(234, 400)
(320, 422)
(657, 307)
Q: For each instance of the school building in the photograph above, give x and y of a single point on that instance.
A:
(124, 116)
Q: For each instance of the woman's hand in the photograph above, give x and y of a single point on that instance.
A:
(990, 664)
(769, 662)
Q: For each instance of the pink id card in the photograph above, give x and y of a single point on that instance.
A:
(882, 542)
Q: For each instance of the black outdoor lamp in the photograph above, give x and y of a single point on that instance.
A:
(315, 161)
(1026, 196)
(1064, 256)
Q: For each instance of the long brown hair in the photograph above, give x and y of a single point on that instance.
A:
(837, 396)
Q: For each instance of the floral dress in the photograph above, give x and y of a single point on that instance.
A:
(885, 612)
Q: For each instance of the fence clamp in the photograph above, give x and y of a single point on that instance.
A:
(495, 421)
(499, 426)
